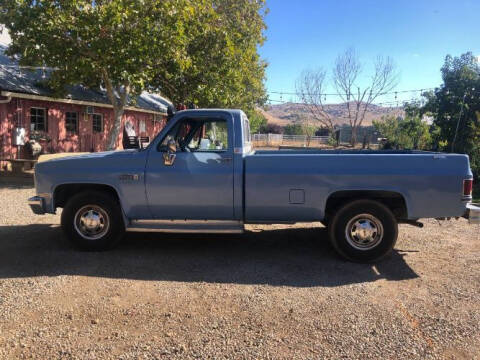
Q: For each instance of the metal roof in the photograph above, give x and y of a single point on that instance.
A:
(14, 78)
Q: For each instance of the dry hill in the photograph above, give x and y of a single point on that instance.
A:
(290, 113)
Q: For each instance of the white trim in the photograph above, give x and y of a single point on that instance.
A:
(76, 102)
(6, 101)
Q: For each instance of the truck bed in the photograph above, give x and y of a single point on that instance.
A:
(296, 184)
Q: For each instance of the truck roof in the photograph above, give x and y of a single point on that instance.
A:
(200, 111)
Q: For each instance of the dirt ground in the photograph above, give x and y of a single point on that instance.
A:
(275, 292)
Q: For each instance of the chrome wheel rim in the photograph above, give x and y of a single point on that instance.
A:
(364, 232)
(91, 222)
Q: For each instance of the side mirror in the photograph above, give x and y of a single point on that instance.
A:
(170, 155)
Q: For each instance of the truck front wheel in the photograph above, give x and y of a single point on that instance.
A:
(363, 231)
(93, 221)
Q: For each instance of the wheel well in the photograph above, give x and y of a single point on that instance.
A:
(64, 192)
(393, 200)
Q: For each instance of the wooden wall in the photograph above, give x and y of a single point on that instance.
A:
(16, 113)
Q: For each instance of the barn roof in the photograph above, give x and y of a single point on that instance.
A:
(24, 80)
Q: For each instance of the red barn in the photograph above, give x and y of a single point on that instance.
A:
(80, 122)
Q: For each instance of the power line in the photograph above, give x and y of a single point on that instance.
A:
(396, 103)
(281, 93)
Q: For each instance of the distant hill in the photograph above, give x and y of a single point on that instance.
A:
(291, 113)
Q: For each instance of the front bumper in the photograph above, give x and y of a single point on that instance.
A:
(473, 213)
(37, 204)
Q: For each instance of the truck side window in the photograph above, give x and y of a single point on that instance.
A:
(172, 134)
(205, 135)
(210, 136)
(246, 130)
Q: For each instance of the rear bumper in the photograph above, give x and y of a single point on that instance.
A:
(37, 204)
(473, 213)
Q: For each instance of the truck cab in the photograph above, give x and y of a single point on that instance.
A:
(204, 148)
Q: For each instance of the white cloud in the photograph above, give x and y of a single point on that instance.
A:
(4, 36)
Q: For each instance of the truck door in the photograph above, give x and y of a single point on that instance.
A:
(189, 173)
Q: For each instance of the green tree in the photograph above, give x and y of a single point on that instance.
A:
(201, 52)
(408, 133)
(454, 106)
(417, 131)
(309, 130)
(257, 121)
(95, 43)
(220, 66)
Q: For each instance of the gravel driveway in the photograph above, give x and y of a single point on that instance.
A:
(275, 292)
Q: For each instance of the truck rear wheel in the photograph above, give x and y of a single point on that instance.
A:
(363, 231)
(93, 221)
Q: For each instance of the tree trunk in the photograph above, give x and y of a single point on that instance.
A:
(122, 90)
(353, 138)
(117, 124)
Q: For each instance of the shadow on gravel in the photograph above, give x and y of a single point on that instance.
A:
(287, 257)
(10, 182)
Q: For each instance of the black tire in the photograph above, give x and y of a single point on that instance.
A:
(102, 224)
(363, 231)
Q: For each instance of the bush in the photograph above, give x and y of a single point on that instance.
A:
(293, 129)
(270, 128)
(408, 133)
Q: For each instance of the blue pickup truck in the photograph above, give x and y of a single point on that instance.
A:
(200, 174)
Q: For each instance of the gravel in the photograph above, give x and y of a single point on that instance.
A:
(276, 292)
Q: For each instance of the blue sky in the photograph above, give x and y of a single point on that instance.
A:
(416, 34)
